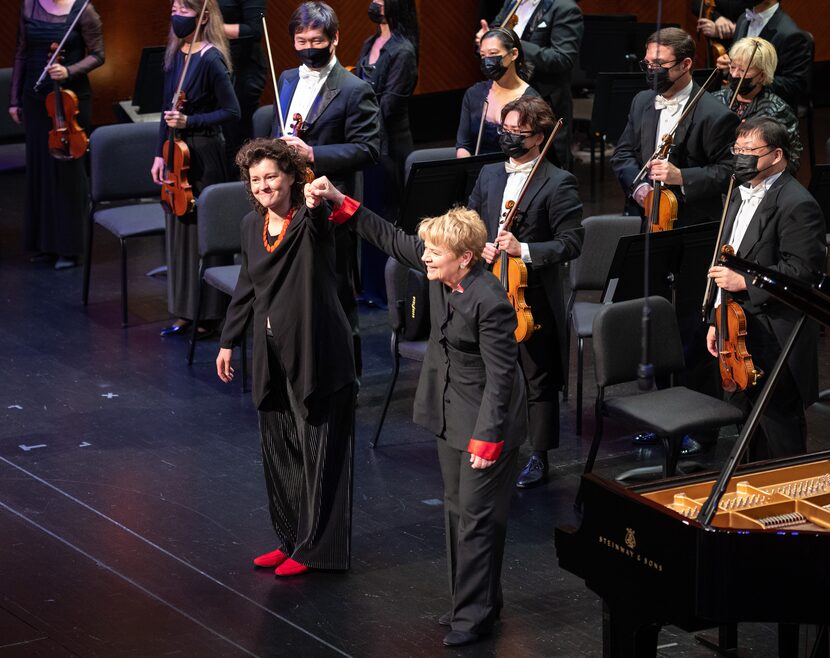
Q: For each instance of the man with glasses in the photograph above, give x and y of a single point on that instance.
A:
(547, 232)
(775, 222)
(698, 167)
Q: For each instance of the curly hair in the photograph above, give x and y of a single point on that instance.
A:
(288, 160)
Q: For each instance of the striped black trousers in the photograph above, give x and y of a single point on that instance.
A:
(308, 460)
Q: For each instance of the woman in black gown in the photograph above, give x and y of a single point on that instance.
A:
(210, 103)
(57, 197)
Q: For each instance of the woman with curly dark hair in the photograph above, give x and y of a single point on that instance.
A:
(304, 378)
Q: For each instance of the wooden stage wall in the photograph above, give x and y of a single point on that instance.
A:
(447, 28)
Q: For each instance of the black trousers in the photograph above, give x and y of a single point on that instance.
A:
(476, 503)
(308, 464)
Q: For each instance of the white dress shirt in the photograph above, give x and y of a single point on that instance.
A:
(515, 181)
(308, 87)
(524, 13)
(758, 21)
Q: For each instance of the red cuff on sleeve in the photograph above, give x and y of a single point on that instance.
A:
(485, 449)
(344, 212)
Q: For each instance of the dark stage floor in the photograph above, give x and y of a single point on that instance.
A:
(132, 498)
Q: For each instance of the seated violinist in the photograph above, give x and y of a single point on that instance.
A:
(775, 222)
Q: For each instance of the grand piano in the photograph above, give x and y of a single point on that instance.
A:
(747, 544)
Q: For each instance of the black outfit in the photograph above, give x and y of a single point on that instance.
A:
(303, 384)
(787, 234)
(551, 43)
(343, 128)
(792, 75)
(393, 77)
(701, 152)
(210, 103)
(471, 396)
(470, 120)
(248, 66)
(768, 104)
(57, 196)
(550, 223)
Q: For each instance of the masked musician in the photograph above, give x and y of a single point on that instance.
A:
(775, 222)
(545, 234)
(340, 132)
(57, 199)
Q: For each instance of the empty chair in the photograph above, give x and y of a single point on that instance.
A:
(125, 200)
(397, 275)
(427, 155)
(262, 121)
(670, 412)
(220, 209)
(588, 272)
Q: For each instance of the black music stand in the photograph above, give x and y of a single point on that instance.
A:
(149, 80)
(434, 186)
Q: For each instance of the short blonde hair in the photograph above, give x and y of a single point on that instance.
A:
(459, 230)
(766, 59)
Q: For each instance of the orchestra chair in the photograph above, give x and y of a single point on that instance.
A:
(669, 412)
(427, 155)
(588, 273)
(262, 121)
(125, 200)
(220, 209)
(396, 275)
(12, 135)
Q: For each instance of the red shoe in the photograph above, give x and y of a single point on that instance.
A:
(271, 560)
(291, 568)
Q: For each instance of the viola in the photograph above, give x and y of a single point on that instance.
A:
(737, 370)
(662, 214)
(176, 191)
(67, 139)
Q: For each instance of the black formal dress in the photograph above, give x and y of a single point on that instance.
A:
(393, 77)
(786, 233)
(303, 384)
(792, 75)
(343, 128)
(549, 222)
(57, 191)
(470, 120)
(210, 103)
(701, 152)
(471, 396)
(551, 43)
(249, 72)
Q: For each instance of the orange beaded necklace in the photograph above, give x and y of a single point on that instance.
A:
(270, 247)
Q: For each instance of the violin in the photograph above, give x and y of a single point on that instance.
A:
(512, 271)
(298, 127)
(176, 191)
(736, 368)
(67, 139)
(716, 48)
(662, 214)
(511, 20)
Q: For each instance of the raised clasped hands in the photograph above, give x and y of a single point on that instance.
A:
(322, 189)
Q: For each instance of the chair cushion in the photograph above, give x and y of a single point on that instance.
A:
(413, 349)
(132, 220)
(223, 277)
(582, 317)
(675, 410)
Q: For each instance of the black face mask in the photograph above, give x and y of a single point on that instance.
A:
(512, 145)
(375, 14)
(183, 25)
(746, 167)
(492, 67)
(314, 58)
(658, 79)
(747, 86)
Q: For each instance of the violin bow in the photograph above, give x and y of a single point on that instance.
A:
(743, 75)
(707, 296)
(277, 106)
(481, 125)
(196, 35)
(56, 54)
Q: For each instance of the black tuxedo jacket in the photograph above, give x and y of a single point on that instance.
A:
(549, 221)
(470, 385)
(786, 234)
(792, 76)
(700, 151)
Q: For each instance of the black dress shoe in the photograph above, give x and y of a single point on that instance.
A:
(445, 619)
(644, 439)
(460, 638)
(533, 474)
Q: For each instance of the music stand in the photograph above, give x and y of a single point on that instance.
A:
(434, 186)
(149, 80)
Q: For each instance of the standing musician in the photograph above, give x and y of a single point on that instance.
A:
(774, 222)
(551, 33)
(546, 233)
(210, 102)
(792, 75)
(721, 25)
(340, 132)
(698, 167)
(57, 197)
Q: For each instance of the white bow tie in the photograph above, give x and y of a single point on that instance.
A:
(748, 193)
(525, 168)
(670, 104)
(308, 74)
(752, 16)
